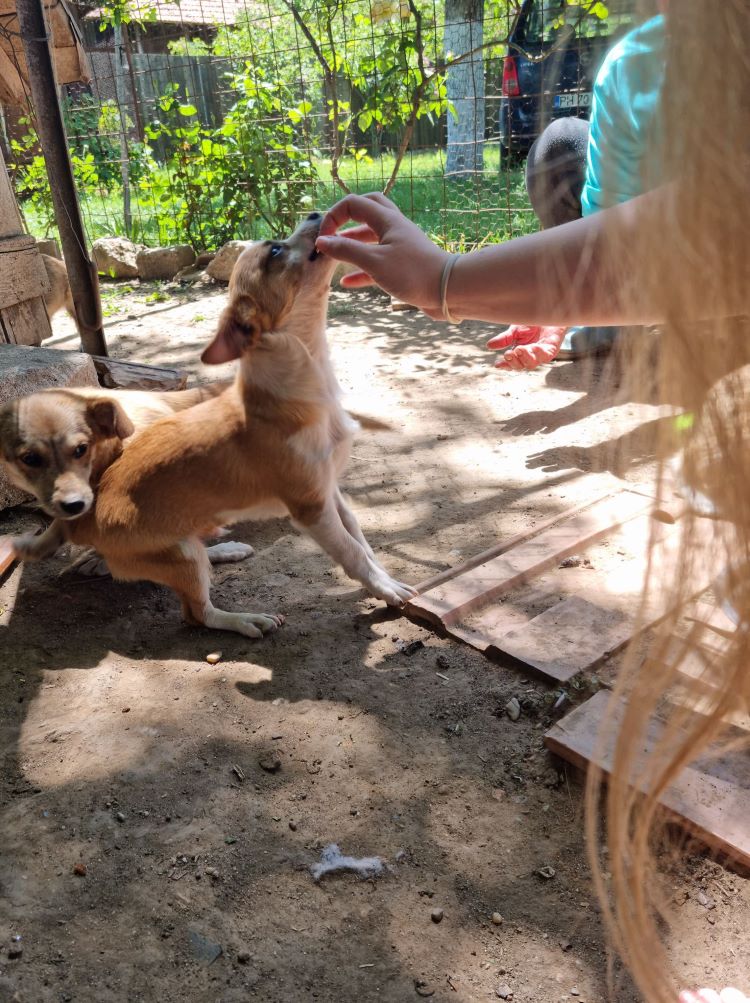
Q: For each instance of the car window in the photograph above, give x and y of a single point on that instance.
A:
(550, 20)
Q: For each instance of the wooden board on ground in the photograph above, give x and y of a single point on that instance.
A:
(7, 557)
(116, 374)
(710, 799)
(528, 599)
(704, 637)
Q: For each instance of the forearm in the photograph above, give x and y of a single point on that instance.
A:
(594, 271)
(571, 274)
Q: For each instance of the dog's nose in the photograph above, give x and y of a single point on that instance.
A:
(315, 215)
(73, 507)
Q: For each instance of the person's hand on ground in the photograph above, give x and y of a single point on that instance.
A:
(528, 347)
(387, 249)
(711, 996)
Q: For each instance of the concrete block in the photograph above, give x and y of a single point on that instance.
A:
(24, 371)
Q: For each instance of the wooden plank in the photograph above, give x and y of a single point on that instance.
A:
(7, 557)
(608, 608)
(505, 545)
(568, 638)
(710, 799)
(116, 374)
(696, 658)
(25, 323)
(22, 276)
(458, 597)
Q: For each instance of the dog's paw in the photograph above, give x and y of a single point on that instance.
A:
(391, 591)
(229, 552)
(93, 566)
(27, 547)
(255, 624)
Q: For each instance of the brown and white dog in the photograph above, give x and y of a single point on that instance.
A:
(273, 443)
(59, 294)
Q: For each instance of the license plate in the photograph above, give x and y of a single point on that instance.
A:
(580, 99)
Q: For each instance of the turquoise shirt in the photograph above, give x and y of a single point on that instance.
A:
(623, 110)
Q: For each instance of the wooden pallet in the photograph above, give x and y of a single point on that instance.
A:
(519, 600)
(710, 799)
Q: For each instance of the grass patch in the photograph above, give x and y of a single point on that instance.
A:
(459, 214)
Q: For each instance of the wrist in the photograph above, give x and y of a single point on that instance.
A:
(446, 275)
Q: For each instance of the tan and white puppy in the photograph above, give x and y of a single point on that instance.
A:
(273, 443)
(56, 444)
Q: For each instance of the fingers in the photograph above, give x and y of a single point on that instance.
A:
(351, 251)
(357, 280)
(361, 233)
(372, 209)
(526, 357)
(516, 334)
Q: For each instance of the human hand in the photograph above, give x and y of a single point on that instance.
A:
(387, 249)
(529, 346)
(711, 996)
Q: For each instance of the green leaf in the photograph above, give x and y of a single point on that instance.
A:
(187, 110)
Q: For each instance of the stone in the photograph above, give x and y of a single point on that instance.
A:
(115, 257)
(26, 370)
(164, 262)
(437, 915)
(270, 763)
(221, 267)
(513, 709)
(504, 992)
(213, 657)
(497, 919)
(204, 950)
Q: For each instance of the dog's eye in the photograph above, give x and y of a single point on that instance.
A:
(80, 450)
(31, 459)
(276, 250)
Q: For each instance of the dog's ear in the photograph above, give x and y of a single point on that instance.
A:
(238, 330)
(8, 428)
(106, 418)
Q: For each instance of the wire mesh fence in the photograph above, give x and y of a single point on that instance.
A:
(209, 120)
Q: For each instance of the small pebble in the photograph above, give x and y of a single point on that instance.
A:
(513, 709)
(442, 662)
(270, 763)
(504, 992)
(497, 919)
(244, 957)
(126, 710)
(120, 817)
(424, 988)
(546, 872)
(213, 658)
(293, 826)
(437, 915)
(79, 870)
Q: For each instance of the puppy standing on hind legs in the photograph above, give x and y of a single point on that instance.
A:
(272, 444)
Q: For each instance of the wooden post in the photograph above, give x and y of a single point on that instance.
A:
(23, 278)
(82, 275)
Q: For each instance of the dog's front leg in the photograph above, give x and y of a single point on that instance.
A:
(329, 532)
(32, 547)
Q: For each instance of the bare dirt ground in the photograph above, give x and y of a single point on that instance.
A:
(195, 796)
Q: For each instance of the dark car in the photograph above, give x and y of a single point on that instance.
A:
(555, 49)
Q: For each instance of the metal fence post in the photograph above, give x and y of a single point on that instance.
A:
(82, 274)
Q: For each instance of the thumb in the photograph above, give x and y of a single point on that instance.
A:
(344, 249)
(506, 339)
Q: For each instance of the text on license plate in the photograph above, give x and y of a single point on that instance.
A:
(578, 100)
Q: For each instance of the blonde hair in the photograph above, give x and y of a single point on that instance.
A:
(704, 137)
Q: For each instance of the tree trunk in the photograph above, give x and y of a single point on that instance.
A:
(465, 82)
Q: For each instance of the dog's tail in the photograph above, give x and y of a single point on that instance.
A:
(181, 400)
(369, 424)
